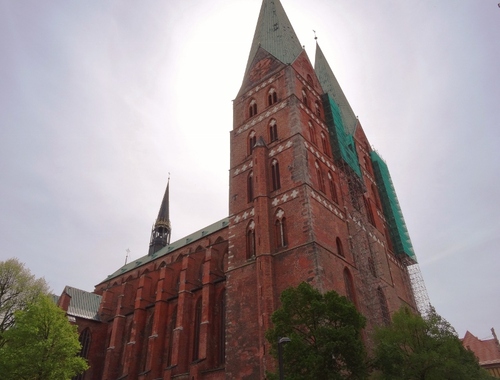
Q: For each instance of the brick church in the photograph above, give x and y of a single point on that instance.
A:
(309, 200)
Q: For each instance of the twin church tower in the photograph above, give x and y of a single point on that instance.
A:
(309, 200)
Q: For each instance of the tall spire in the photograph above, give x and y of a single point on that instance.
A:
(160, 234)
(275, 34)
(331, 86)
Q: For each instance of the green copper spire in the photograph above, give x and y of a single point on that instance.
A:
(160, 234)
(275, 34)
(330, 86)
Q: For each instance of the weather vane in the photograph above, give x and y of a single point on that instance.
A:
(126, 256)
(315, 37)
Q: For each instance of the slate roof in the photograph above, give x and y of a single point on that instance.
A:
(275, 34)
(487, 351)
(171, 247)
(330, 85)
(83, 304)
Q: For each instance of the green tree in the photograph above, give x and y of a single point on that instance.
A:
(418, 348)
(42, 345)
(18, 288)
(325, 335)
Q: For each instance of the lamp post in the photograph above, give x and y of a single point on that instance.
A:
(281, 342)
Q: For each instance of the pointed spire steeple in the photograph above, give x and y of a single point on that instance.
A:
(275, 34)
(331, 86)
(160, 234)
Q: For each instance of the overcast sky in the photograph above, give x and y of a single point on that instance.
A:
(100, 100)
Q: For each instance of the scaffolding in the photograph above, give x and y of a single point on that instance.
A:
(419, 290)
(366, 257)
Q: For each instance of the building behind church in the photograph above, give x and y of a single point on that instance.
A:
(309, 200)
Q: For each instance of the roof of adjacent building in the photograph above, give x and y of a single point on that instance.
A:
(331, 86)
(83, 304)
(171, 247)
(275, 34)
(487, 351)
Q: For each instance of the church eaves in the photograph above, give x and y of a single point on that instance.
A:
(331, 86)
(275, 34)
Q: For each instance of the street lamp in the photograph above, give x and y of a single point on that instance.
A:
(281, 342)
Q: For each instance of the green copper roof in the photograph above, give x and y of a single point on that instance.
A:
(330, 86)
(275, 34)
(164, 214)
(171, 247)
(83, 304)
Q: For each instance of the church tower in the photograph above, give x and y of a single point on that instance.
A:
(306, 198)
(160, 233)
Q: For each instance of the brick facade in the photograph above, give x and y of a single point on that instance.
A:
(296, 213)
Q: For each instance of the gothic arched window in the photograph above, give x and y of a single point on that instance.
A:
(273, 131)
(252, 108)
(280, 229)
(252, 140)
(349, 286)
(173, 323)
(304, 97)
(375, 196)
(250, 240)
(340, 249)
(312, 133)
(324, 144)
(250, 187)
(369, 212)
(85, 338)
(317, 109)
(386, 316)
(272, 97)
(319, 175)
(221, 339)
(333, 188)
(197, 330)
(275, 174)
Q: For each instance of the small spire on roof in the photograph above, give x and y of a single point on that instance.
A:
(160, 234)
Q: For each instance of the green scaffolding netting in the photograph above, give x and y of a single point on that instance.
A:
(343, 145)
(390, 204)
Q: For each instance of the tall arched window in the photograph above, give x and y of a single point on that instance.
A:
(324, 144)
(252, 140)
(309, 79)
(319, 175)
(280, 229)
(275, 174)
(349, 286)
(273, 131)
(386, 316)
(317, 109)
(171, 330)
(312, 133)
(368, 165)
(333, 188)
(197, 330)
(340, 249)
(252, 108)
(85, 338)
(272, 97)
(221, 341)
(375, 196)
(250, 187)
(250, 238)
(388, 239)
(304, 97)
(146, 333)
(369, 212)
